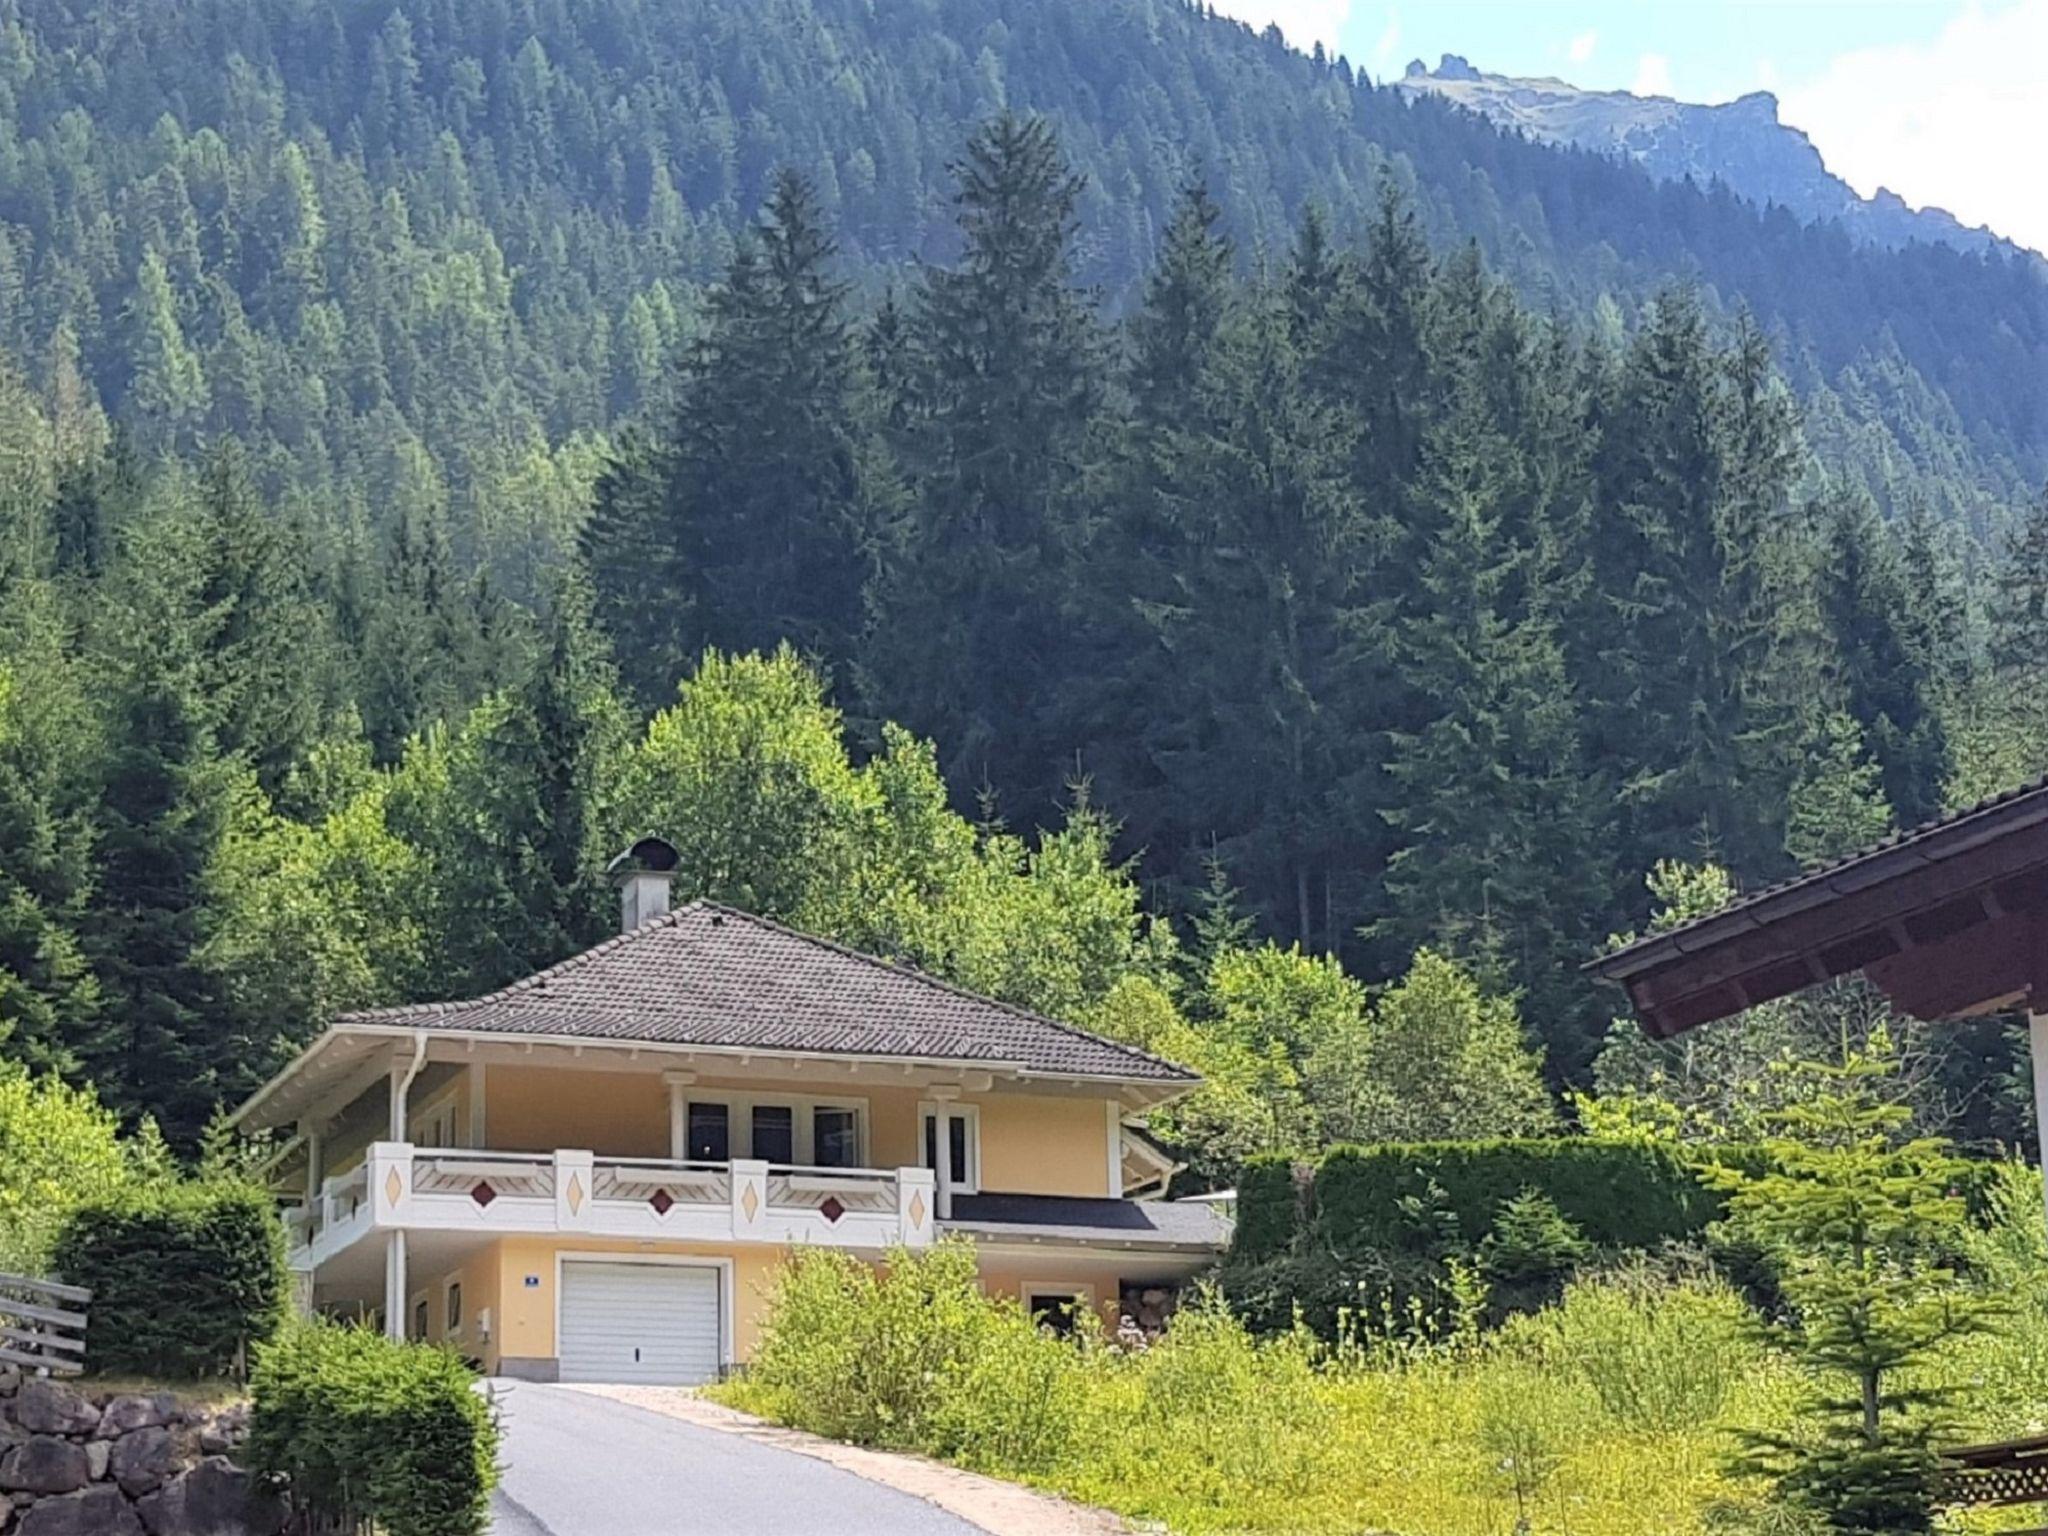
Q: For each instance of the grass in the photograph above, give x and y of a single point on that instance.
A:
(1610, 1414)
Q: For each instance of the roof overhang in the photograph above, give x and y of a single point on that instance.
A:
(347, 1059)
(1948, 921)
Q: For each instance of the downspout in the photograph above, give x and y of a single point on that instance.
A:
(401, 1087)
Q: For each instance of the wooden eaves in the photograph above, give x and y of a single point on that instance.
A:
(1949, 919)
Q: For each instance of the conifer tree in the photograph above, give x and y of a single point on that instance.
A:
(973, 631)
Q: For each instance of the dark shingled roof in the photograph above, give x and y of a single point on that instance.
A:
(1113, 1223)
(712, 975)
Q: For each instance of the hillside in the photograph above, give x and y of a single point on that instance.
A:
(444, 247)
(1741, 142)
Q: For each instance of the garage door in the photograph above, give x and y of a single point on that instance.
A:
(639, 1322)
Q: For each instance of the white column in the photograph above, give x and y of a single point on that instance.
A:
(394, 1284)
(316, 1150)
(2037, 1041)
(942, 1146)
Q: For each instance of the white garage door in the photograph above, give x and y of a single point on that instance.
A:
(639, 1322)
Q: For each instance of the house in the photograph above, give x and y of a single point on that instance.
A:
(591, 1174)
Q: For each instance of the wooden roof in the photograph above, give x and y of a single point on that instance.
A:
(1949, 919)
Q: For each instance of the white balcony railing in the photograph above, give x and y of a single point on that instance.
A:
(567, 1191)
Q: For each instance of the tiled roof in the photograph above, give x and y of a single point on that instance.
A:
(1116, 1223)
(714, 976)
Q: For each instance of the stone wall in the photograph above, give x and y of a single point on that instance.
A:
(76, 1463)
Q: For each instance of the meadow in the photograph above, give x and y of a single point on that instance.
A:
(1617, 1411)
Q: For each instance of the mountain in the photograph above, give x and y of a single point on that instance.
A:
(430, 254)
(1741, 143)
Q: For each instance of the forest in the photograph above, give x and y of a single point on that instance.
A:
(1301, 673)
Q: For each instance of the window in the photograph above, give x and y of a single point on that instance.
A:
(775, 1133)
(1057, 1309)
(454, 1307)
(710, 1133)
(963, 1138)
(419, 1318)
(835, 1137)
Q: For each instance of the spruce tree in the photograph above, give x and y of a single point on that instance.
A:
(974, 633)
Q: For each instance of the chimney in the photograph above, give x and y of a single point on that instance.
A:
(643, 874)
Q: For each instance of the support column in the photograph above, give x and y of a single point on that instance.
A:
(394, 1285)
(942, 1146)
(2037, 1042)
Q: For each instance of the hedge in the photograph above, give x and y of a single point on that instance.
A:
(186, 1278)
(1619, 1195)
(1268, 1208)
(371, 1433)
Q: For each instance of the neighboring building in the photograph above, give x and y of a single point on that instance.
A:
(591, 1174)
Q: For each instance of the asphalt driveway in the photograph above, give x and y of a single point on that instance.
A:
(577, 1464)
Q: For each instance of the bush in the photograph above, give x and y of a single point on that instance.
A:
(1533, 1249)
(1268, 1209)
(186, 1278)
(1619, 1195)
(1658, 1355)
(58, 1149)
(370, 1432)
(914, 1356)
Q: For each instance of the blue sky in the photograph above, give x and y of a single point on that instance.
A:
(1941, 100)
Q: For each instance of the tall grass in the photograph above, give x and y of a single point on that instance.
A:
(1603, 1416)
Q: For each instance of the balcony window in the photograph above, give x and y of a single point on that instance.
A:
(963, 1137)
(775, 1133)
(835, 1137)
(710, 1133)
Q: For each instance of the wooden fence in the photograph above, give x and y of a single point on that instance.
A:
(42, 1325)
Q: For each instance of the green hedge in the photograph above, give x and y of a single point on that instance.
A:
(373, 1433)
(1268, 1209)
(1619, 1196)
(186, 1278)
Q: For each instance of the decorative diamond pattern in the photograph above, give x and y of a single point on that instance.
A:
(575, 1195)
(917, 1210)
(662, 1202)
(393, 1187)
(750, 1201)
(831, 1210)
(483, 1194)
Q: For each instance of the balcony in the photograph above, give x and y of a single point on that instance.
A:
(399, 1186)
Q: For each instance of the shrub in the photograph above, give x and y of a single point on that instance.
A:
(186, 1278)
(1531, 1251)
(1268, 1209)
(1619, 1195)
(913, 1355)
(58, 1148)
(371, 1432)
(1659, 1355)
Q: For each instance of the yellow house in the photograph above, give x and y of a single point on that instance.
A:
(591, 1174)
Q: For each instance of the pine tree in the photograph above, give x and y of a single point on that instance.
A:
(973, 632)
(1881, 682)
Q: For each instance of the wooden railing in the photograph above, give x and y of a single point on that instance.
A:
(42, 1325)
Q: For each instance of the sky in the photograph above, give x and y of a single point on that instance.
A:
(1936, 99)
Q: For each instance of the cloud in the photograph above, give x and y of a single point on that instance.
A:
(1946, 121)
(1581, 47)
(1653, 76)
(1387, 45)
(1303, 23)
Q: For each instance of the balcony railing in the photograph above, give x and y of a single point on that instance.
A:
(567, 1191)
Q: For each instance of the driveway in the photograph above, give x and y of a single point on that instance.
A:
(577, 1464)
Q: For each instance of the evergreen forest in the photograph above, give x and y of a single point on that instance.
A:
(1081, 498)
